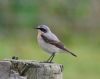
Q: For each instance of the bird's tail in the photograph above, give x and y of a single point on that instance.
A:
(70, 52)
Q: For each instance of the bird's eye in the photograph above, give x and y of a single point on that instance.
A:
(43, 30)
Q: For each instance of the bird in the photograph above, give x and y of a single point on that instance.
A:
(49, 42)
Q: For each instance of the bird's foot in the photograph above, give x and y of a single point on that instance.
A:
(46, 62)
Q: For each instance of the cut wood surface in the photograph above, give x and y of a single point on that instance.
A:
(27, 69)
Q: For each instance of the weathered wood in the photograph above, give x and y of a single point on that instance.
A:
(4, 69)
(19, 69)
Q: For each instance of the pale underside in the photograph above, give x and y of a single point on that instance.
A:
(48, 47)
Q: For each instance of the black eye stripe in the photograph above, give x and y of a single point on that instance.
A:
(44, 30)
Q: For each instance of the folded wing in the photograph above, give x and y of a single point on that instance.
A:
(56, 43)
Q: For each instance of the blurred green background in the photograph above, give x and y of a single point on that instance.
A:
(75, 22)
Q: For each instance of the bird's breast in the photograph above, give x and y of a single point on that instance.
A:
(46, 46)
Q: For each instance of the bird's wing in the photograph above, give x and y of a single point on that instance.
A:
(56, 43)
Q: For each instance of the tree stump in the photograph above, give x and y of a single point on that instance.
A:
(27, 69)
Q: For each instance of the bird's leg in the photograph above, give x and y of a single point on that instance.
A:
(53, 55)
(49, 58)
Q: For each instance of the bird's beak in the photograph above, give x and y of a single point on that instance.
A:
(36, 28)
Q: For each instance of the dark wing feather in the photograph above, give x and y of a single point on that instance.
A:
(57, 44)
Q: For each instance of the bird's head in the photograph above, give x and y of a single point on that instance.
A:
(43, 29)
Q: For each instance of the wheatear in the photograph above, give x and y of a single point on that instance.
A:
(49, 42)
